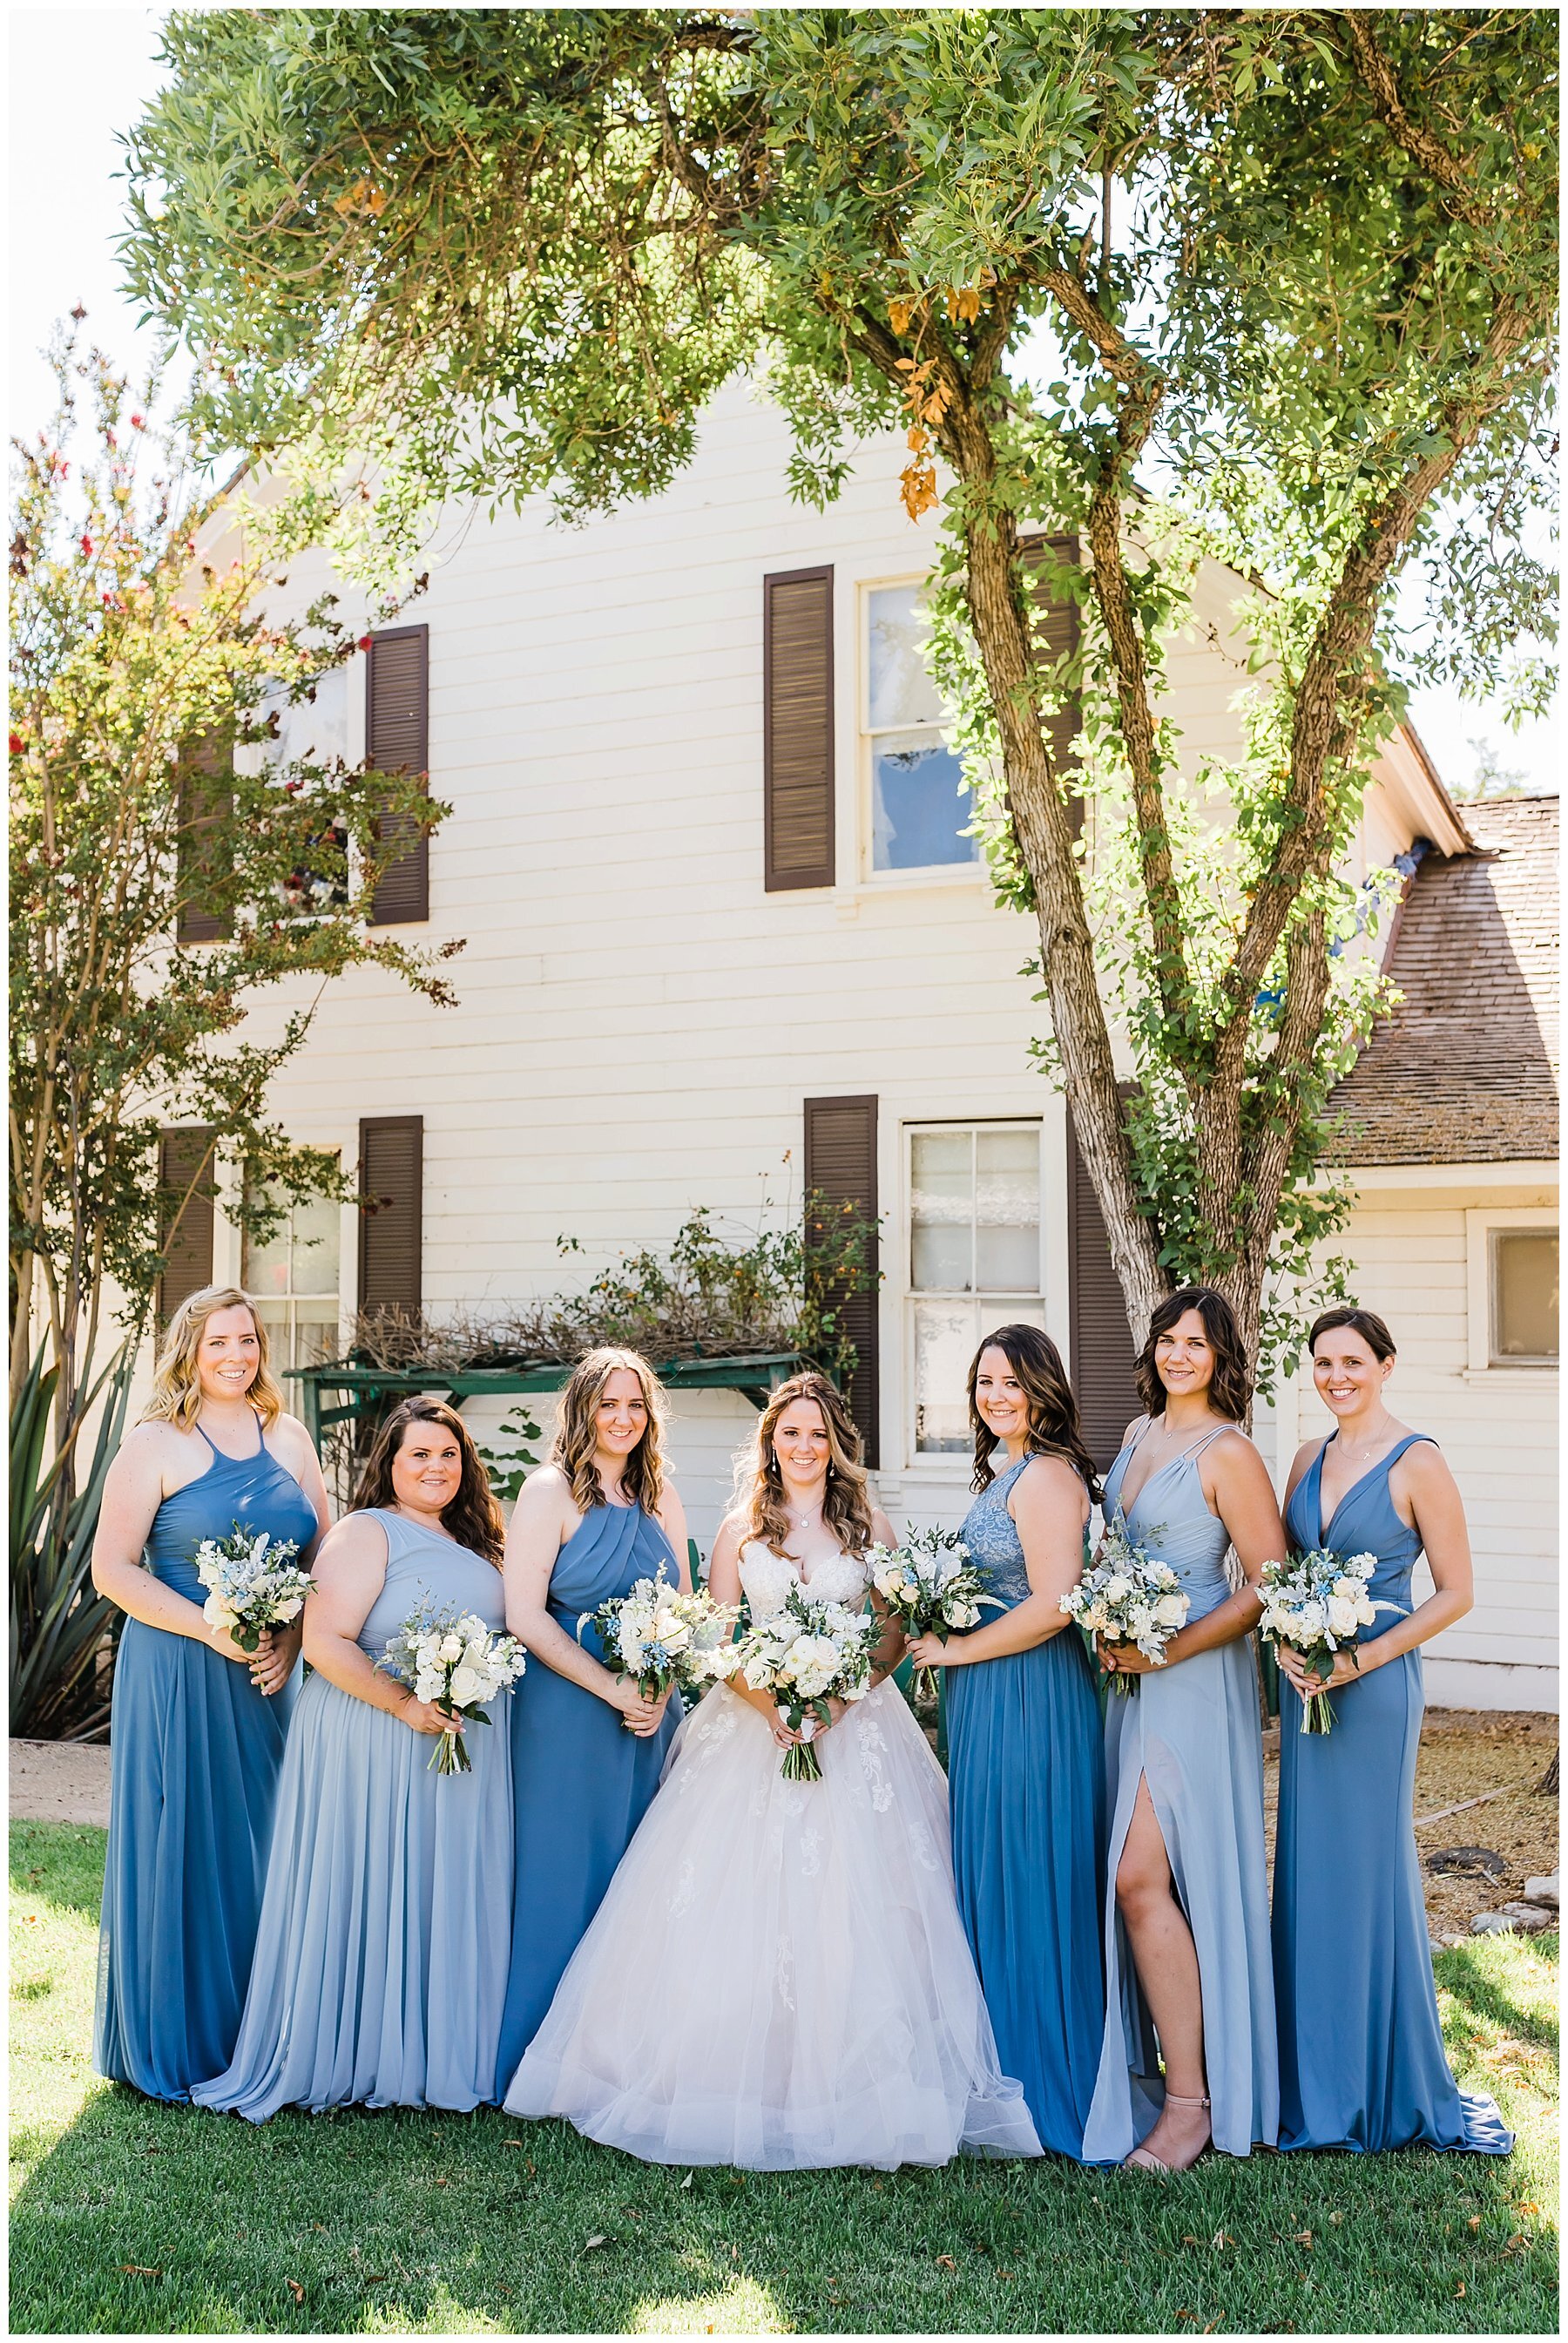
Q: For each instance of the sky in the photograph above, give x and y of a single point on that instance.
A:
(79, 75)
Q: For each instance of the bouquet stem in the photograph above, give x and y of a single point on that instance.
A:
(450, 1757)
(801, 1763)
(1317, 1713)
(925, 1685)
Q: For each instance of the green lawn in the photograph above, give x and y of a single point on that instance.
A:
(130, 2217)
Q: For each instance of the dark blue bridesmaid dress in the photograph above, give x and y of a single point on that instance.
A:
(194, 1758)
(1026, 1791)
(582, 1782)
(1362, 2061)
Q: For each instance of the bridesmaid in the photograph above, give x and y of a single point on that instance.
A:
(381, 1959)
(1362, 2062)
(1187, 1915)
(587, 1748)
(1024, 1765)
(197, 1727)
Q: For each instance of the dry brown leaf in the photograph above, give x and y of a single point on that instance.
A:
(140, 2270)
(946, 2261)
(295, 2289)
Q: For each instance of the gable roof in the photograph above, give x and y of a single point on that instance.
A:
(1465, 1069)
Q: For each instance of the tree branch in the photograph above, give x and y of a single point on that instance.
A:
(1377, 79)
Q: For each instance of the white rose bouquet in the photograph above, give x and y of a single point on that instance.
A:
(805, 1655)
(450, 1658)
(1318, 1603)
(665, 1638)
(930, 1586)
(252, 1584)
(1128, 1595)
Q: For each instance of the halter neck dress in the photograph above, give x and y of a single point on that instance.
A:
(1193, 1731)
(582, 1782)
(1362, 2061)
(1026, 1784)
(381, 1959)
(195, 1750)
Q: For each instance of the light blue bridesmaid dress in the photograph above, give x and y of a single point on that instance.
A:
(1362, 2061)
(1025, 1790)
(381, 1959)
(194, 1758)
(1193, 1731)
(583, 1781)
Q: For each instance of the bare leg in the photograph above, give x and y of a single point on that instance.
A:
(1166, 1963)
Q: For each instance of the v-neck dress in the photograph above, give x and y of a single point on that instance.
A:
(1191, 1731)
(195, 1753)
(1362, 2061)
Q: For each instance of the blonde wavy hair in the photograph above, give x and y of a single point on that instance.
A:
(176, 1388)
(643, 1473)
(760, 1484)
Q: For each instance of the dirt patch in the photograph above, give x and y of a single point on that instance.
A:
(60, 1781)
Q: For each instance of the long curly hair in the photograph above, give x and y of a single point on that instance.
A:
(1054, 1429)
(1230, 1389)
(643, 1473)
(175, 1396)
(760, 1484)
(474, 1517)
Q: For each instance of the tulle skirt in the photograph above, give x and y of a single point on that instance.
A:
(778, 1978)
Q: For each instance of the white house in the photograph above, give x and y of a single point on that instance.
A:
(725, 940)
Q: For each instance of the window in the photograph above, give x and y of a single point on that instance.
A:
(920, 808)
(974, 1261)
(1513, 1255)
(293, 1274)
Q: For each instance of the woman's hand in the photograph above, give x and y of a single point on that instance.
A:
(1293, 1666)
(638, 1716)
(219, 1640)
(424, 1717)
(930, 1652)
(272, 1662)
(1127, 1660)
(785, 1735)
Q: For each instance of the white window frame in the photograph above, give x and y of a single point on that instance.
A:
(1482, 1222)
(228, 1247)
(946, 1465)
(924, 875)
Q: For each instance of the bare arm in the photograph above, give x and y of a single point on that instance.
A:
(671, 1518)
(295, 1451)
(1236, 1481)
(143, 1474)
(1422, 1485)
(350, 1572)
(1050, 1508)
(543, 1518)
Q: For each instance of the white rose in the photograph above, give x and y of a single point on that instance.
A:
(1117, 1590)
(964, 1615)
(671, 1632)
(1170, 1610)
(468, 1684)
(451, 1648)
(759, 1673)
(1344, 1617)
(291, 1608)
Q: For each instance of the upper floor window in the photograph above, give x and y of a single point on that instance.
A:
(1524, 1297)
(919, 805)
(974, 1195)
(294, 1277)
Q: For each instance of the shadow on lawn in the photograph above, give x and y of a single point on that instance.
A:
(1486, 2000)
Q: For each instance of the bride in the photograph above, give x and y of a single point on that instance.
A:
(779, 1976)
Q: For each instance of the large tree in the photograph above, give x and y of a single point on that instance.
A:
(1273, 286)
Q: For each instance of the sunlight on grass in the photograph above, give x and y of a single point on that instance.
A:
(442, 2314)
(743, 2307)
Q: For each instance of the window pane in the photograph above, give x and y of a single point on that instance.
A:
(919, 804)
(1007, 1210)
(265, 1263)
(1525, 1293)
(940, 1209)
(902, 693)
(316, 1225)
(314, 1333)
(944, 1345)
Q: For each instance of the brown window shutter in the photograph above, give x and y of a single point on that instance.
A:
(842, 1167)
(397, 741)
(797, 730)
(1057, 632)
(391, 1178)
(185, 1215)
(1102, 1339)
(203, 855)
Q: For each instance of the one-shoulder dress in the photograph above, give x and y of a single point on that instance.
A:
(1362, 2061)
(381, 1959)
(1193, 1731)
(1026, 1779)
(195, 1750)
(777, 1977)
(582, 1782)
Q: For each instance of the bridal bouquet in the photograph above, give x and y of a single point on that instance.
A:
(805, 1655)
(665, 1638)
(253, 1585)
(1129, 1596)
(930, 1586)
(1318, 1603)
(451, 1658)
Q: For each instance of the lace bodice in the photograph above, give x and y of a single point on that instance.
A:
(767, 1577)
(993, 1542)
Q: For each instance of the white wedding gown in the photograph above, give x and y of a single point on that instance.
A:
(778, 1977)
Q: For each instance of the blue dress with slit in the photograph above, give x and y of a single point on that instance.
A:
(1362, 2061)
(195, 1750)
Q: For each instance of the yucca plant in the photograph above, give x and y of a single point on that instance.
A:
(57, 1619)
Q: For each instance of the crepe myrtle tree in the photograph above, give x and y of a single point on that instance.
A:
(150, 805)
(1274, 287)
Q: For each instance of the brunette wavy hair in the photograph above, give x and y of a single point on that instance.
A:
(474, 1517)
(175, 1395)
(1372, 1329)
(1054, 1428)
(643, 1473)
(760, 1484)
(1231, 1390)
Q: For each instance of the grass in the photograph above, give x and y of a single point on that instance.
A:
(129, 2217)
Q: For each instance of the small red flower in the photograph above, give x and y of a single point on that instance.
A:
(87, 547)
(138, 423)
(292, 788)
(16, 744)
(364, 642)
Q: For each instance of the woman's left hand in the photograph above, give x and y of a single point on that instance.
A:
(835, 1709)
(1126, 1659)
(930, 1652)
(272, 1663)
(1295, 1668)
